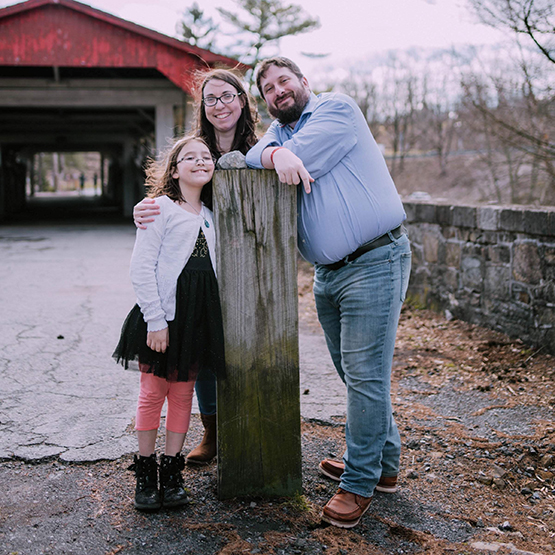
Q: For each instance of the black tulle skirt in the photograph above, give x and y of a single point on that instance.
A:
(196, 343)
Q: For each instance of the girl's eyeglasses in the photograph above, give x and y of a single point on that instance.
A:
(226, 98)
(188, 159)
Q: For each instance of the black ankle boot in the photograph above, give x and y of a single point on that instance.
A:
(147, 496)
(172, 492)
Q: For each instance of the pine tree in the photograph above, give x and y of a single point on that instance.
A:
(264, 23)
(198, 29)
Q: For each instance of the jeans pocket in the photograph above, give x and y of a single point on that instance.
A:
(405, 274)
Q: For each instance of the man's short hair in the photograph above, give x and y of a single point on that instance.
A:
(278, 61)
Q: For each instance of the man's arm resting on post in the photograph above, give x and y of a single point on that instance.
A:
(289, 167)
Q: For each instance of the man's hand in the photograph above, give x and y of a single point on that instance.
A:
(158, 340)
(290, 169)
(144, 212)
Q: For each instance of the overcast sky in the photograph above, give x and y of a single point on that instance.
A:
(350, 29)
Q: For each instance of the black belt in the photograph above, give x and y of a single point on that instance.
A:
(380, 241)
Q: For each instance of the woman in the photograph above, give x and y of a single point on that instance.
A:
(225, 118)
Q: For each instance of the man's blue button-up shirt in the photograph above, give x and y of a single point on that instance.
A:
(353, 198)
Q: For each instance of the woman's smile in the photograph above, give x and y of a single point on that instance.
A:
(223, 117)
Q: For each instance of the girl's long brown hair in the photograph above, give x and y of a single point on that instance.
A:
(245, 136)
(159, 180)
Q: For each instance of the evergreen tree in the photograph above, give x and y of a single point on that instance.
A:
(198, 29)
(265, 22)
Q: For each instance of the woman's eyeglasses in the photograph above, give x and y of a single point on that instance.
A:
(226, 98)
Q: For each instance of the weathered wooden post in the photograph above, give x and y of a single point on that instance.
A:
(259, 440)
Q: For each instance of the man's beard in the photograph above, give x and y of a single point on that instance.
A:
(291, 114)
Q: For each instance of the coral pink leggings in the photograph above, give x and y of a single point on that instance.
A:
(153, 392)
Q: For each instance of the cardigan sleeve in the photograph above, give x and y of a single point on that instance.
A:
(144, 261)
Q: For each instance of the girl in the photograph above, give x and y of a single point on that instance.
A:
(225, 120)
(175, 330)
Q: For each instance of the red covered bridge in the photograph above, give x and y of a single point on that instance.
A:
(74, 78)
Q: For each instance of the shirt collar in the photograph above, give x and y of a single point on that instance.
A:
(308, 109)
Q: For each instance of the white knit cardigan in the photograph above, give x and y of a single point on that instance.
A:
(161, 252)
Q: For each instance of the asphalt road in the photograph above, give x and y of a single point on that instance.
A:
(65, 292)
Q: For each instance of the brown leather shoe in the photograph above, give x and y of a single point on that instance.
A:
(206, 450)
(345, 509)
(334, 469)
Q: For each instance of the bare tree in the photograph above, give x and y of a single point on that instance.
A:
(515, 116)
(534, 19)
(438, 117)
(364, 91)
(399, 103)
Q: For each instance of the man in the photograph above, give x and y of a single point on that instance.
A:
(349, 226)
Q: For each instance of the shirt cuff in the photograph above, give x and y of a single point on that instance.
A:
(156, 325)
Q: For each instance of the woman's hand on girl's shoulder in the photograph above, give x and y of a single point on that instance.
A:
(144, 212)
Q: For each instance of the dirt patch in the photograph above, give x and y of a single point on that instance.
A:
(476, 415)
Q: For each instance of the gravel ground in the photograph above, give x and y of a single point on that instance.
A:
(476, 414)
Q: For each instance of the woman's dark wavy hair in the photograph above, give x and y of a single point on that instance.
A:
(159, 173)
(245, 136)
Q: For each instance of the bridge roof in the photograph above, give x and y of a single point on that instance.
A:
(66, 33)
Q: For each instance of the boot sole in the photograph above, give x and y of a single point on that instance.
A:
(386, 489)
(141, 507)
(328, 474)
(383, 489)
(341, 523)
(175, 504)
(198, 463)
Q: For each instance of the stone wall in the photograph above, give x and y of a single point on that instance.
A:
(489, 265)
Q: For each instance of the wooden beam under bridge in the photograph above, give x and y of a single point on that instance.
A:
(259, 439)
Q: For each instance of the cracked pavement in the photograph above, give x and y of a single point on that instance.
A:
(66, 291)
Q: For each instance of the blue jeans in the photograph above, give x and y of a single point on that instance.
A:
(359, 307)
(205, 388)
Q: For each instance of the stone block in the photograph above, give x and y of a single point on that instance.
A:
(450, 232)
(464, 216)
(464, 234)
(488, 237)
(471, 272)
(475, 299)
(546, 317)
(430, 243)
(417, 255)
(453, 254)
(551, 222)
(444, 214)
(497, 281)
(425, 212)
(545, 293)
(474, 235)
(488, 218)
(450, 281)
(520, 293)
(499, 254)
(419, 283)
(410, 212)
(511, 219)
(472, 249)
(506, 238)
(415, 233)
(420, 212)
(537, 222)
(526, 263)
(548, 255)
